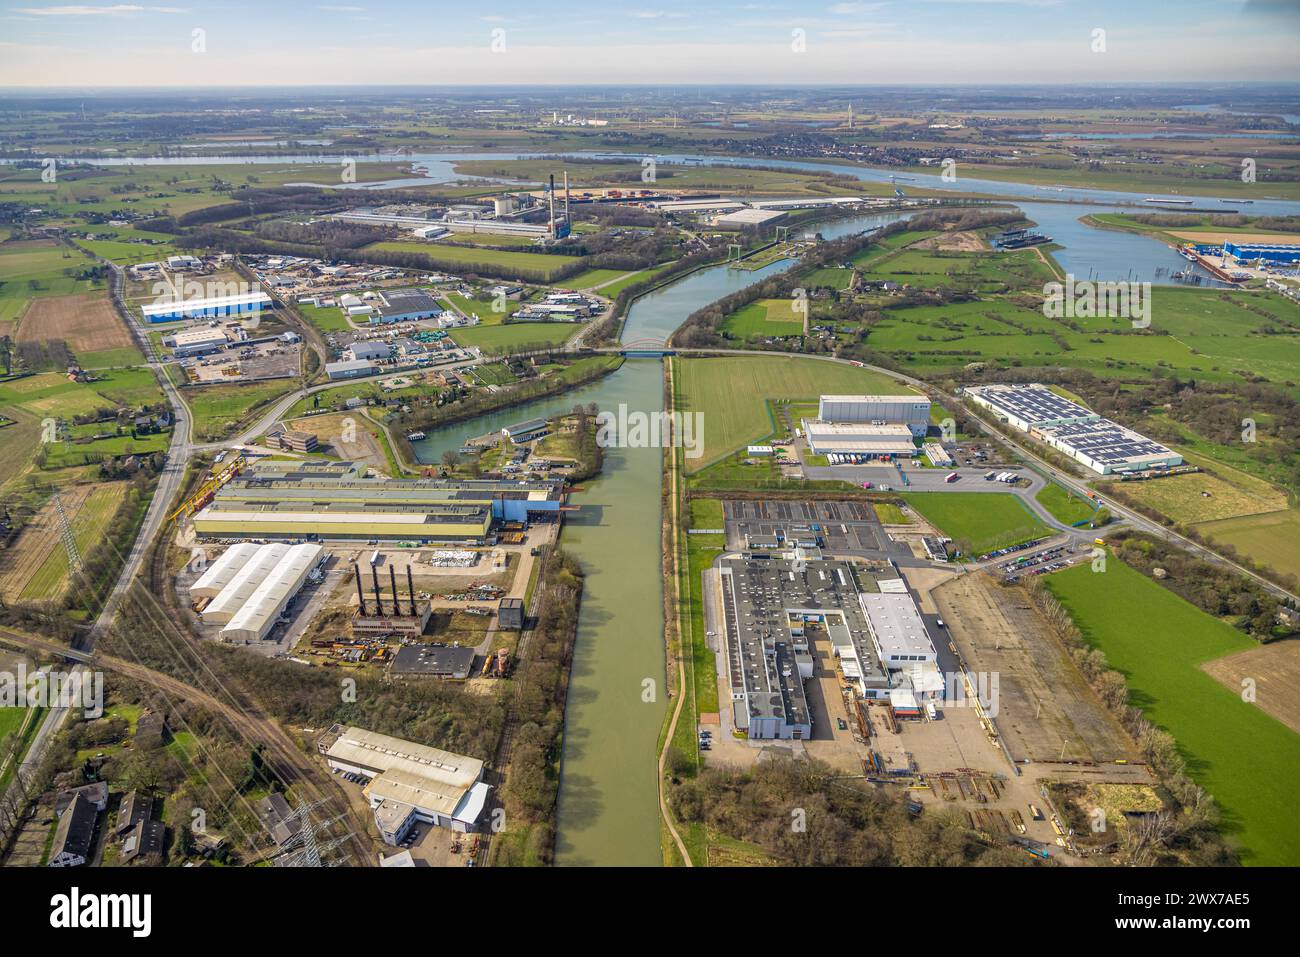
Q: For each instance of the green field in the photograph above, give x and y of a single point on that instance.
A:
(614, 288)
(1205, 333)
(515, 335)
(1247, 760)
(978, 522)
(1270, 538)
(88, 525)
(324, 318)
(593, 277)
(521, 265)
(766, 317)
(219, 409)
(732, 394)
(833, 277)
(1065, 507)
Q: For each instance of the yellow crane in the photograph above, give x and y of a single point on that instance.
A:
(209, 488)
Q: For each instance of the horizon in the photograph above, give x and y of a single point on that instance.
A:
(579, 42)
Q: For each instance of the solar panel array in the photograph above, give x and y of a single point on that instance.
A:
(1031, 403)
(1107, 442)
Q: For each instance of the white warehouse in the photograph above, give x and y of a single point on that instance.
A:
(912, 411)
(245, 581)
(262, 610)
(221, 572)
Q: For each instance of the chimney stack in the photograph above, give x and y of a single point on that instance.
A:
(392, 582)
(567, 222)
(550, 194)
(410, 587)
(361, 595)
(374, 581)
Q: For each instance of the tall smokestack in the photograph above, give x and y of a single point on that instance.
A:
(392, 583)
(551, 197)
(374, 580)
(361, 595)
(567, 222)
(410, 587)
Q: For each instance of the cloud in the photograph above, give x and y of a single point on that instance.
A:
(334, 8)
(77, 10)
(855, 8)
(657, 15)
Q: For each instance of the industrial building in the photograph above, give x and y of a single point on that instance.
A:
(897, 631)
(334, 500)
(350, 369)
(859, 439)
(774, 610)
(368, 351)
(405, 305)
(1281, 254)
(196, 342)
(433, 661)
(1104, 446)
(258, 615)
(220, 573)
(410, 782)
(243, 583)
(249, 586)
(910, 410)
(208, 307)
(526, 431)
(510, 614)
(745, 218)
(298, 440)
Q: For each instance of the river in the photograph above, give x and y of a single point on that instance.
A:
(608, 811)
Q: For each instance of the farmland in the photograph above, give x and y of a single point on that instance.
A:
(515, 335)
(522, 265)
(35, 567)
(1270, 538)
(87, 322)
(766, 317)
(732, 394)
(219, 409)
(1249, 761)
(978, 522)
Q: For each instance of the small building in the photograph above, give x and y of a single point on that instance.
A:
(150, 729)
(368, 350)
(526, 431)
(758, 451)
(278, 819)
(74, 836)
(350, 369)
(510, 614)
(96, 794)
(433, 661)
(298, 440)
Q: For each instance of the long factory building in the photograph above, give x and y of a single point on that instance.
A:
(310, 501)
(1104, 446)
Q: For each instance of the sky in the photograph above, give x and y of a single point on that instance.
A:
(477, 42)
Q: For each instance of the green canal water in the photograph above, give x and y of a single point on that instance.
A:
(608, 809)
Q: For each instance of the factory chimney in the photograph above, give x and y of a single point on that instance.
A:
(410, 587)
(361, 595)
(567, 222)
(392, 582)
(550, 194)
(374, 580)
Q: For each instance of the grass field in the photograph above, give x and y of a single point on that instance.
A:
(978, 522)
(325, 318)
(522, 265)
(732, 393)
(593, 277)
(766, 317)
(35, 566)
(1270, 538)
(515, 335)
(833, 277)
(218, 409)
(1064, 507)
(891, 514)
(1247, 760)
(1201, 497)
